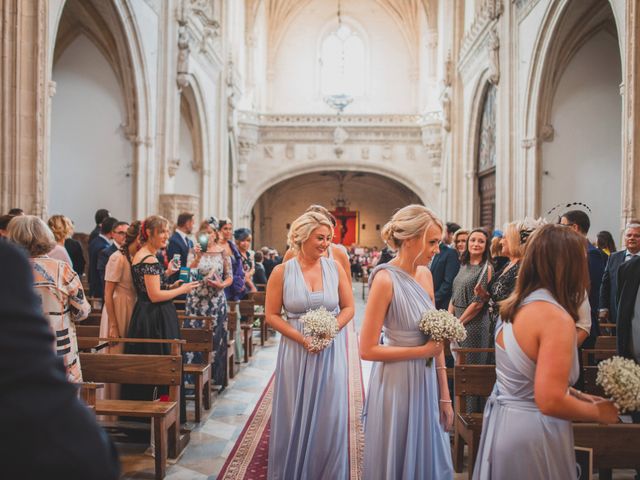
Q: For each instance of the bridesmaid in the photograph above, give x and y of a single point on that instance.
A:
(408, 408)
(532, 406)
(310, 418)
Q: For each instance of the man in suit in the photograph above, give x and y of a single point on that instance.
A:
(444, 268)
(47, 431)
(101, 215)
(180, 243)
(609, 288)
(119, 234)
(452, 228)
(579, 221)
(102, 241)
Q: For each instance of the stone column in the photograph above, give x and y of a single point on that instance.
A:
(24, 82)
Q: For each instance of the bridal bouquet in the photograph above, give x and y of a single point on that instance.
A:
(321, 326)
(440, 325)
(620, 379)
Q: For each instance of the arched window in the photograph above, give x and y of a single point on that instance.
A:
(342, 63)
(486, 161)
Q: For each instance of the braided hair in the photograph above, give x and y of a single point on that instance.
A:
(133, 235)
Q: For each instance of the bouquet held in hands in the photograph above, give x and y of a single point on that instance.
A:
(440, 325)
(321, 326)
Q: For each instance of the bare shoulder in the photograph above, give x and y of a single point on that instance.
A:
(545, 317)
(288, 255)
(277, 272)
(382, 279)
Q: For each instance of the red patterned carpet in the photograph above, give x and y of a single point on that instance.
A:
(248, 459)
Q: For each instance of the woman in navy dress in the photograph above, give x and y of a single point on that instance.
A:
(408, 407)
(310, 416)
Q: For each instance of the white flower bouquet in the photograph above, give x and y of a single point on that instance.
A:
(620, 379)
(441, 325)
(321, 326)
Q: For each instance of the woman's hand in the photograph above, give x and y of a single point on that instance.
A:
(446, 415)
(481, 292)
(607, 412)
(187, 288)
(176, 284)
(171, 269)
(197, 250)
(432, 348)
(113, 330)
(213, 282)
(306, 343)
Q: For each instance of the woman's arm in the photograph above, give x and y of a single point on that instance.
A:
(478, 301)
(109, 288)
(273, 306)
(343, 260)
(346, 298)
(370, 349)
(155, 292)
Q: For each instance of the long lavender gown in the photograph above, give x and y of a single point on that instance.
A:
(513, 423)
(403, 437)
(309, 421)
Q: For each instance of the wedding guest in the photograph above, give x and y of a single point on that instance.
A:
(460, 241)
(62, 228)
(44, 422)
(605, 242)
(180, 243)
(532, 406)
(444, 268)
(408, 409)
(101, 215)
(310, 386)
(99, 243)
(58, 286)
(466, 302)
(16, 212)
(498, 258)
(119, 235)
(260, 275)
(268, 262)
(452, 228)
(213, 266)
(242, 237)
(4, 225)
(154, 314)
(76, 253)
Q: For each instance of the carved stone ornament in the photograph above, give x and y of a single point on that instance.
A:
(289, 151)
(311, 152)
(446, 111)
(528, 143)
(338, 151)
(340, 136)
(411, 153)
(494, 57)
(184, 50)
(364, 153)
(172, 167)
(448, 71)
(268, 151)
(387, 152)
(547, 133)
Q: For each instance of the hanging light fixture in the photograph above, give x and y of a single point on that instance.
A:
(339, 101)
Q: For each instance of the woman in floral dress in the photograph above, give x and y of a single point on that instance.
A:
(214, 268)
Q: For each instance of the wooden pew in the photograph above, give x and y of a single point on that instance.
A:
(614, 446)
(247, 317)
(199, 340)
(232, 321)
(259, 300)
(146, 370)
(469, 380)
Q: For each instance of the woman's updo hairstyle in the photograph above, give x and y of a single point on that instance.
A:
(132, 236)
(408, 222)
(60, 226)
(154, 224)
(323, 211)
(302, 227)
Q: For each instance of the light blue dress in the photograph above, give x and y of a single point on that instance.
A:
(309, 421)
(518, 441)
(403, 437)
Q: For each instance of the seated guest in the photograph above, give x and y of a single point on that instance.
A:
(444, 268)
(260, 275)
(4, 224)
(61, 296)
(62, 228)
(119, 235)
(100, 216)
(99, 243)
(49, 433)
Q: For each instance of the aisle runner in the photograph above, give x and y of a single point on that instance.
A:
(248, 459)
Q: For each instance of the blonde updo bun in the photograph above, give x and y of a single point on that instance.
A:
(302, 227)
(408, 222)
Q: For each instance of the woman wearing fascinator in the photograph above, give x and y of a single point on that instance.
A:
(213, 268)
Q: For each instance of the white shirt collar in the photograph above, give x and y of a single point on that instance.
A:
(183, 235)
(107, 239)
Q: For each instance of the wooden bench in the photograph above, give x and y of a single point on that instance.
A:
(199, 340)
(614, 446)
(259, 299)
(247, 317)
(145, 370)
(232, 322)
(469, 380)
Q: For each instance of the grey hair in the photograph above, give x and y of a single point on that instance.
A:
(32, 233)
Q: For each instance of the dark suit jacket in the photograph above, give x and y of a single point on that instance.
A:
(609, 286)
(444, 268)
(94, 233)
(628, 283)
(597, 262)
(269, 265)
(74, 249)
(47, 432)
(177, 245)
(96, 287)
(259, 276)
(103, 259)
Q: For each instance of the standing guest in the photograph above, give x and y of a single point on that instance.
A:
(310, 386)
(119, 235)
(99, 243)
(268, 262)
(408, 409)
(444, 268)
(50, 433)
(498, 258)
(460, 241)
(242, 237)
(628, 319)
(260, 275)
(609, 287)
(100, 216)
(605, 242)
(154, 314)
(213, 266)
(62, 228)
(74, 249)
(597, 261)
(532, 406)
(180, 243)
(119, 293)
(468, 304)
(452, 228)
(58, 286)
(4, 225)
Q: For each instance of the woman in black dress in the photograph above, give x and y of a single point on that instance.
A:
(154, 315)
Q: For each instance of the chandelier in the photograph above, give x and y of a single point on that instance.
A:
(339, 101)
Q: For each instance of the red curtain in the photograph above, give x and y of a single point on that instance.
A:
(347, 229)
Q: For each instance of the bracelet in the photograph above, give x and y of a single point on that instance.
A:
(446, 401)
(441, 368)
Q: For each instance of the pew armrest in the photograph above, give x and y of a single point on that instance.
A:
(88, 392)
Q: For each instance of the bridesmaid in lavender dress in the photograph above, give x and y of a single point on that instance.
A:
(408, 407)
(310, 415)
(526, 430)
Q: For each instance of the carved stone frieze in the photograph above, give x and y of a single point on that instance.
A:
(184, 50)
(493, 45)
(487, 14)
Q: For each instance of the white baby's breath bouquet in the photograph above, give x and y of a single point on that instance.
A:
(620, 379)
(441, 325)
(321, 326)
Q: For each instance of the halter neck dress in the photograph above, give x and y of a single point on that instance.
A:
(310, 413)
(518, 441)
(403, 437)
